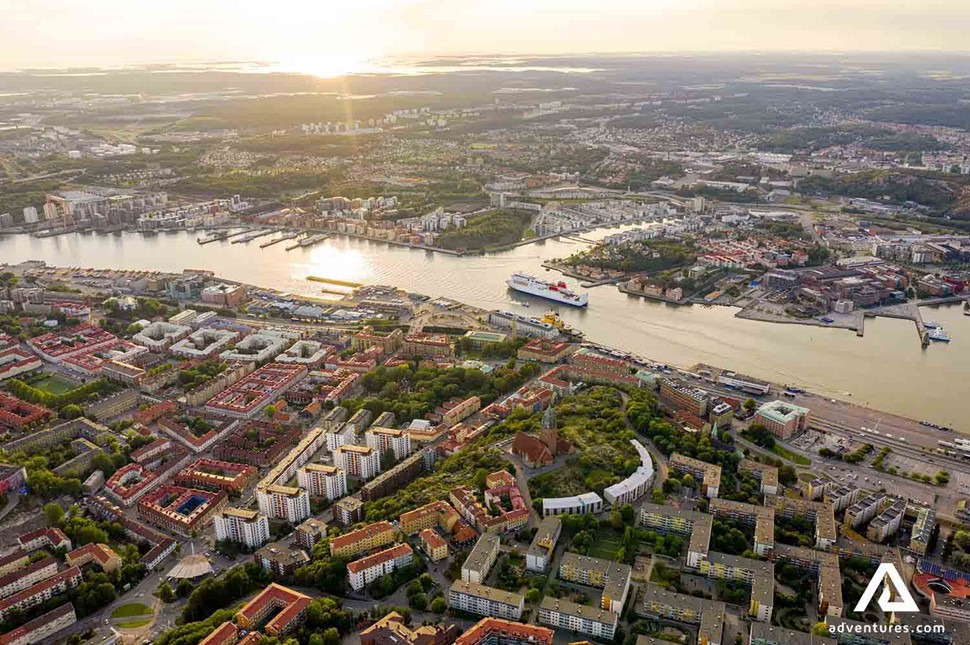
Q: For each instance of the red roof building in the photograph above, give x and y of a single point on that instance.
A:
(284, 608)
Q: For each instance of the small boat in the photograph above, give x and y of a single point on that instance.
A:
(939, 334)
(826, 320)
(929, 324)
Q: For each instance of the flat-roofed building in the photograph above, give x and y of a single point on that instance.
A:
(783, 419)
(612, 577)
(765, 474)
(684, 396)
(819, 512)
(396, 440)
(478, 599)
(707, 475)
(280, 559)
(633, 487)
(922, 529)
(321, 480)
(582, 619)
(309, 532)
(587, 503)
(758, 575)
(479, 562)
(348, 511)
(823, 564)
(242, 526)
(865, 509)
(283, 502)
(762, 518)
(887, 523)
(540, 551)
(763, 634)
(659, 602)
(667, 519)
(841, 496)
(358, 461)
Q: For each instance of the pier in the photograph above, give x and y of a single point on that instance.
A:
(253, 235)
(339, 283)
(282, 238)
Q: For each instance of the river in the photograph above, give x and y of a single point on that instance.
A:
(887, 369)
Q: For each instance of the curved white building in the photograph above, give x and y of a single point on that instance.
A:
(634, 486)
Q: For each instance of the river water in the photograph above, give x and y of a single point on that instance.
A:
(887, 369)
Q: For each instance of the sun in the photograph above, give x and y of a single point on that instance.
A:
(326, 65)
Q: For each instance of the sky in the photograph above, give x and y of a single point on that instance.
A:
(334, 36)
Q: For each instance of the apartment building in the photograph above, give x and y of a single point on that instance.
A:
(758, 575)
(765, 474)
(708, 615)
(242, 526)
(582, 619)
(783, 419)
(287, 609)
(42, 627)
(707, 475)
(320, 480)
(358, 461)
(373, 536)
(539, 555)
(495, 631)
(697, 526)
(394, 439)
(433, 544)
(41, 592)
(762, 518)
(438, 513)
(479, 562)
(612, 577)
(364, 571)
(283, 502)
(485, 601)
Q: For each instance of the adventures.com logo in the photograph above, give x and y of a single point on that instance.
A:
(888, 579)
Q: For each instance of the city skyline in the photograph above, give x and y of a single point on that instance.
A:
(298, 36)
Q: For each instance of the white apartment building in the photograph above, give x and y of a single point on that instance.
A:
(485, 601)
(361, 573)
(284, 502)
(243, 526)
(321, 480)
(384, 439)
(358, 461)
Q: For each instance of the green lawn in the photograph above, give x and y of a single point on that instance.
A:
(784, 453)
(55, 384)
(605, 548)
(132, 610)
(133, 623)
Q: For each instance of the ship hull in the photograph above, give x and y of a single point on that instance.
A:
(548, 295)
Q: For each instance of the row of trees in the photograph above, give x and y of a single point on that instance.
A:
(75, 396)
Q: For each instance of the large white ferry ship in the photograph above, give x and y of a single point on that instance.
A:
(555, 291)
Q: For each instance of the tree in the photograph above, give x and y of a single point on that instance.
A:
(438, 605)
(750, 406)
(419, 602)
(165, 593)
(821, 629)
(269, 411)
(54, 514)
(184, 588)
(72, 411)
(532, 596)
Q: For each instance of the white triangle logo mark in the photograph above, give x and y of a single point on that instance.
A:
(905, 602)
